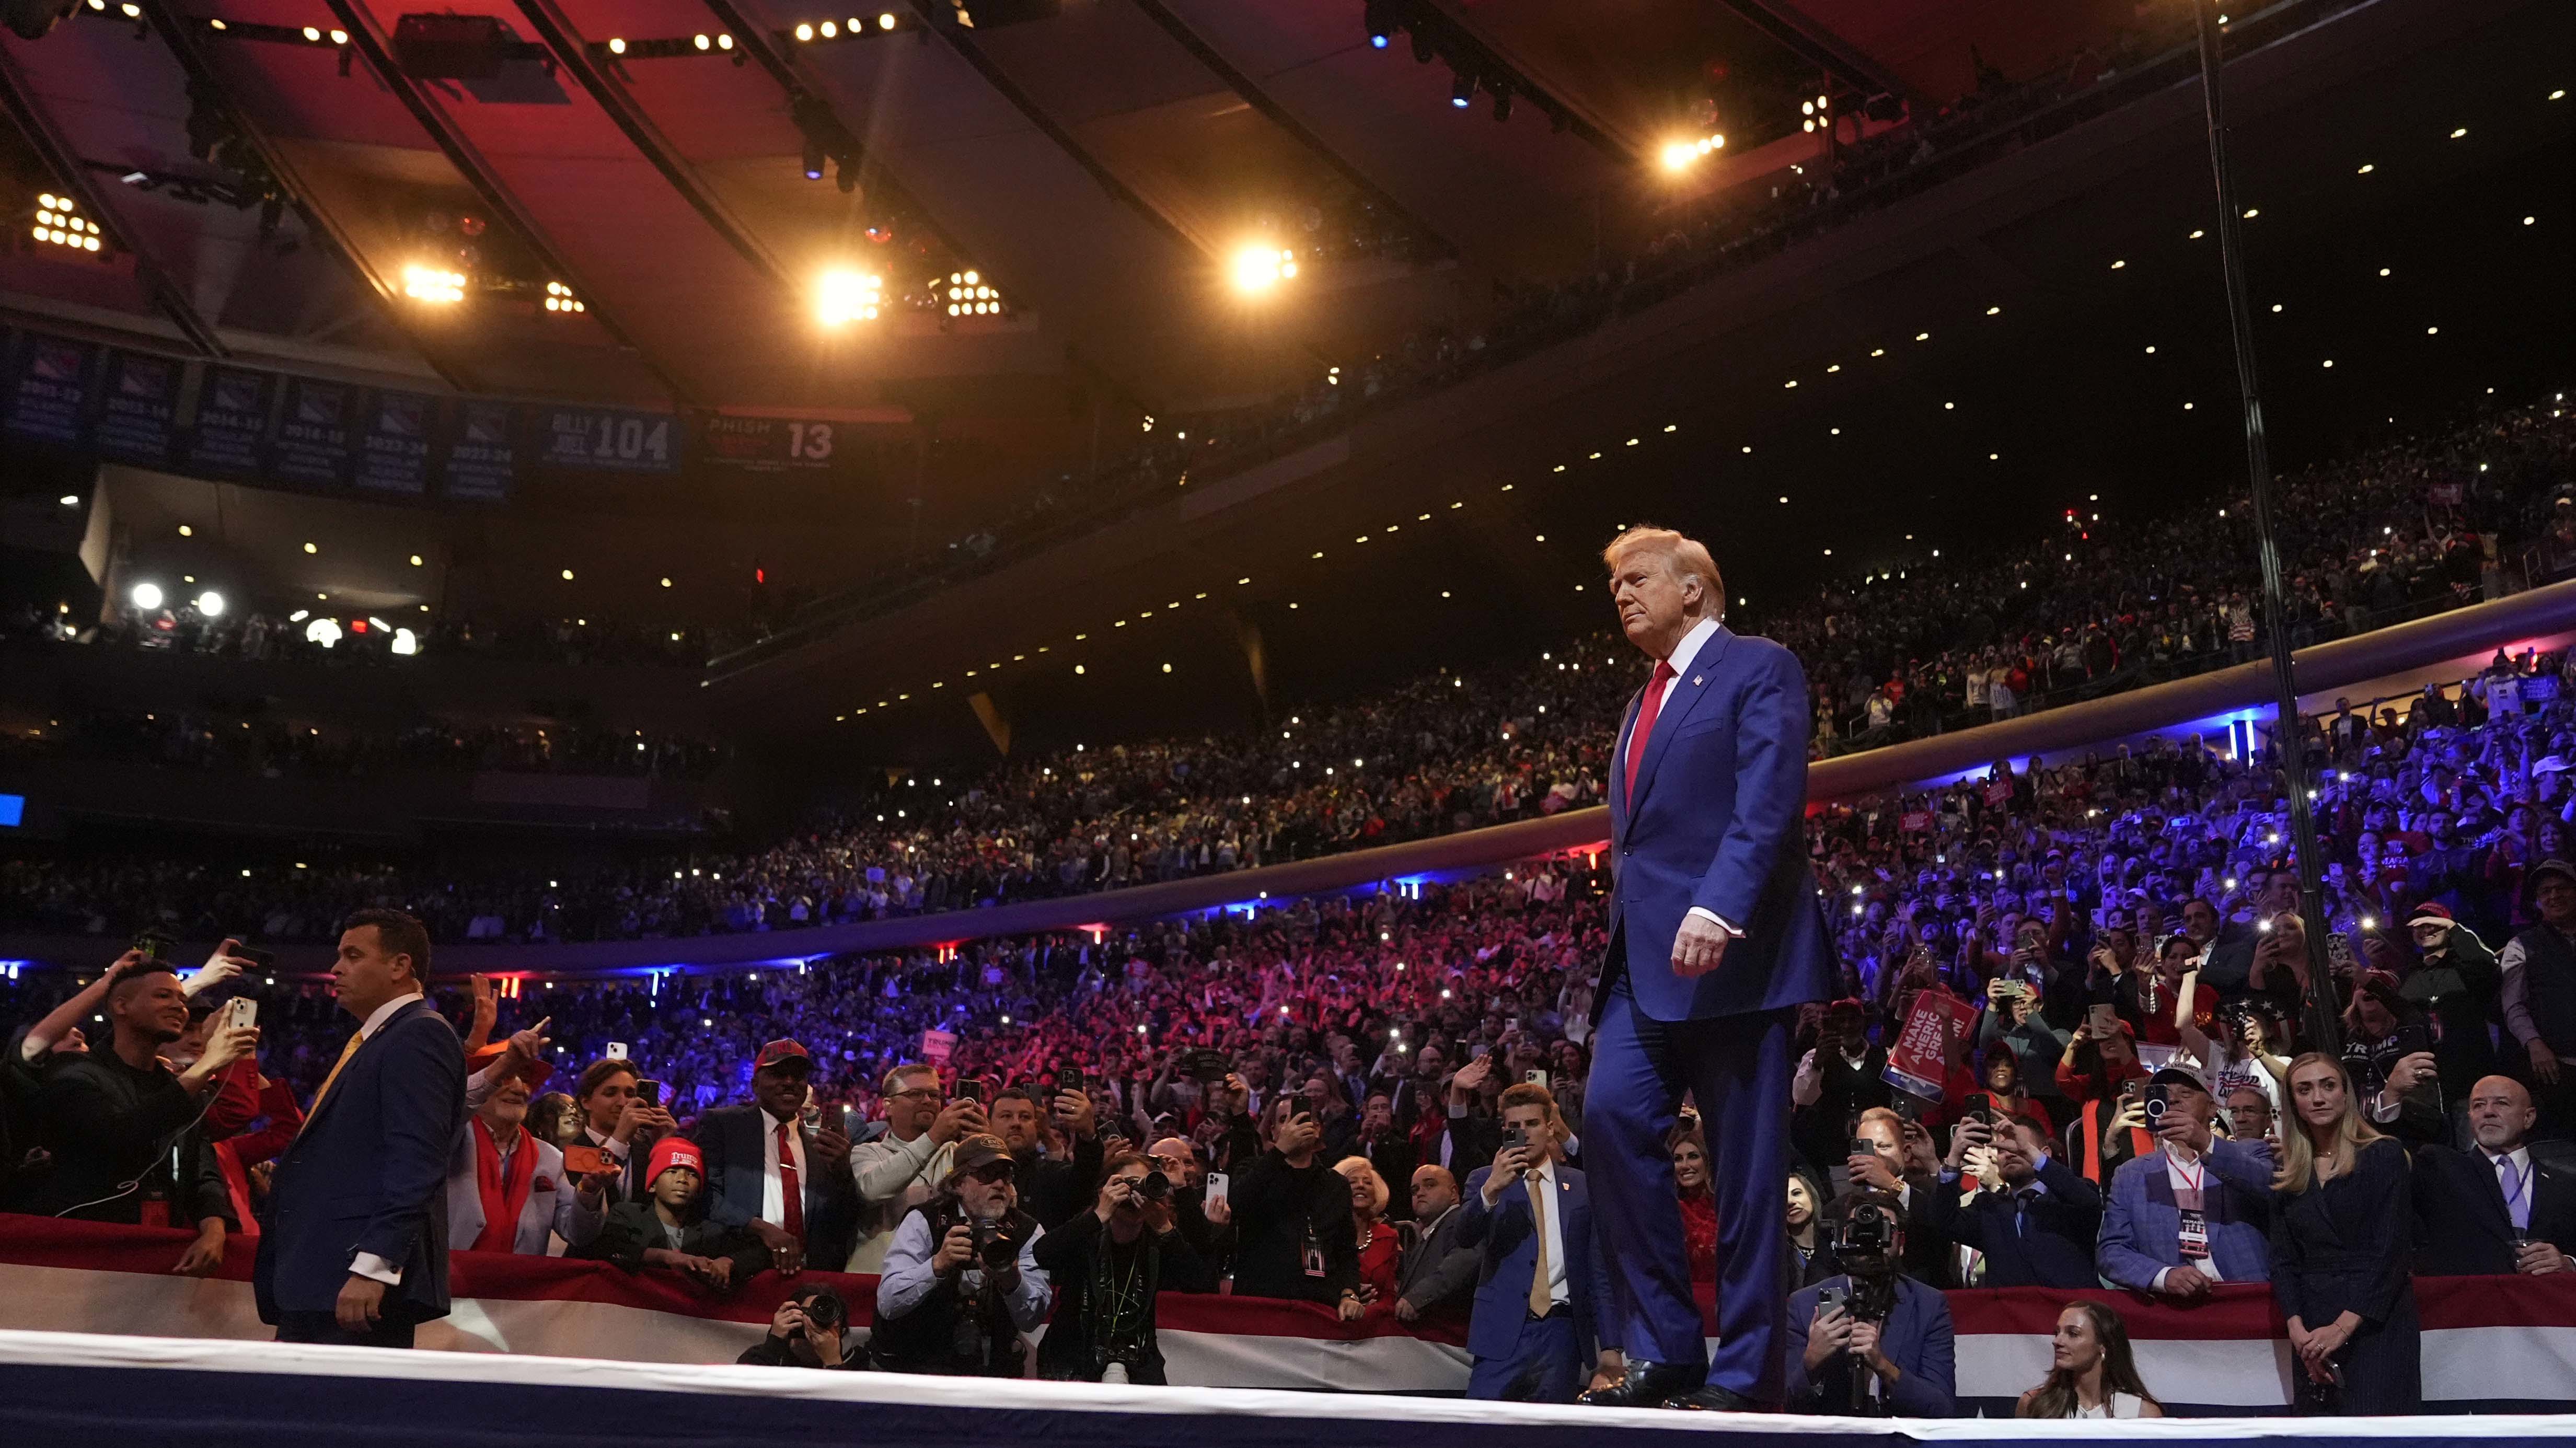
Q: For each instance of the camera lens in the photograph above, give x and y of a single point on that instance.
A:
(1154, 1187)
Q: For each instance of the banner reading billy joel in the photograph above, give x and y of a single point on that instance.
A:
(393, 447)
(232, 420)
(48, 383)
(599, 439)
(1920, 1060)
(313, 442)
(138, 401)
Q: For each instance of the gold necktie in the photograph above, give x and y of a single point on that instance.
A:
(346, 1052)
(1540, 1298)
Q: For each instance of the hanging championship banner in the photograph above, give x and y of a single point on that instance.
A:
(232, 419)
(596, 439)
(315, 442)
(48, 388)
(765, 444)
(137, 404)
(481, 459)
(393, 447)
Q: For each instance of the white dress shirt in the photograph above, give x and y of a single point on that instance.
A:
(1680, 661)
(773, 1197)
(368, 1264)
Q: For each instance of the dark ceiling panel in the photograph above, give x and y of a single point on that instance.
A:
(1522, 199)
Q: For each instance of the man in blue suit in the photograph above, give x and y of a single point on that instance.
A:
(2192, 1212)
(1540, 1286)
(355, 1250)
(1716, 938)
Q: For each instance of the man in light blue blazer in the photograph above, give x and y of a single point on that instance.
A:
(1540, 1284)
(2195, 1211)
(1717, 936)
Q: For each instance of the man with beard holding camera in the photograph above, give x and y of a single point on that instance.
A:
(1108, 1263)
(1874, 1342)
(961, 1280)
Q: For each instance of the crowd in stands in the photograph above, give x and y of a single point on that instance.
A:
(2073, 1048)
(254, 634)
(191, 739)
(1956, 641)
(1722, 233)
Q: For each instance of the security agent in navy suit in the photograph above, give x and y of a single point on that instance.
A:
(2038, 1229)
(1716, 938)
(754, 1151)
(1540, 1282)
(355, 1250)
(2507, 1204)
(1875, 1341)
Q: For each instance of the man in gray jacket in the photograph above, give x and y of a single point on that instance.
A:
(904, 1168)
(1440, 1271)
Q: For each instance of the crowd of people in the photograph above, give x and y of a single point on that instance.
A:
(205, 739)
(1956, 641)
(255, 634)
(2075, 1044)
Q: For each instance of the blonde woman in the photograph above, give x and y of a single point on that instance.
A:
(2339, 1251)
(1377, 1241)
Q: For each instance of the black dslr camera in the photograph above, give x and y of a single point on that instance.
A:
(997, 1249)
(1154, 1187)
(827, 1312)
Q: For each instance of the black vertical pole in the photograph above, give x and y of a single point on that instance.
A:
(2319, 1028)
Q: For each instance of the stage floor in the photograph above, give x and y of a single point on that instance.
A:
(66, 1388)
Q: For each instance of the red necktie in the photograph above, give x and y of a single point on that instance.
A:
(1646, 712)
(791, 1192)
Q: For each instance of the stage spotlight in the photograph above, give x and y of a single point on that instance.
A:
(1462, 90)
(322, 631)
(886, 21)
(433, 284)
(813, 157)
(146, 596)
(1379, 16)
(210, 604)
(848, 296)
(1257, 268)
(700, 41)
(1679, 154)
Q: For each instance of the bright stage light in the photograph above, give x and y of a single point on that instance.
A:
(210, 604)
(147, 596)
(433, 284)
(848, 296)
(1258, 268)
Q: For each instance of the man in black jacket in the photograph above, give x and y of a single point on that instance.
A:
(2506, 1205)
(1107, 1265)
(1292, 1212)
(122, 1129)
(790, 1188)
(1052, 1191)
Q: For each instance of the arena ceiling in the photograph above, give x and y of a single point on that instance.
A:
(1099, 162)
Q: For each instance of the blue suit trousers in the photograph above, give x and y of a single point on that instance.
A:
(1737, 1070)
(1546, 1365)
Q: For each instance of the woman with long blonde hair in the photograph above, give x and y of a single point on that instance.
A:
(2339, 1251)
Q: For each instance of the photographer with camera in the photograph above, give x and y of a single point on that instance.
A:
(1108, 1263)
(123, 1133)
(2196, 1210)
(809, 1330)
(1873, 1342)
(962, 1281)
(1292, 1213)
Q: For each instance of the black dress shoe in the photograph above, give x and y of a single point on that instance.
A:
(1648, 1385)
(1710, 1398)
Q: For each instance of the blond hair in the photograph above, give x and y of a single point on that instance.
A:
(2297, 1171)
(1379, 1195)
(1683, 557)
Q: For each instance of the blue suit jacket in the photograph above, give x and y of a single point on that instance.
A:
(2142, 1228)
(369, 1174)
(1917, 1337)
(1719, 821)
(1509, 1259)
